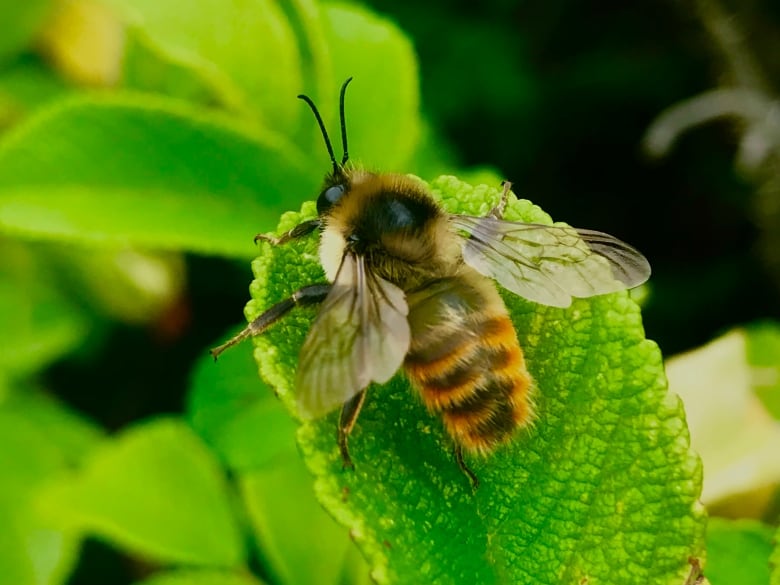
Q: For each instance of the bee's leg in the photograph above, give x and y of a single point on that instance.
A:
(498, 211)
(465, 468)
(349, 414)
(300, 230)
(308, 295)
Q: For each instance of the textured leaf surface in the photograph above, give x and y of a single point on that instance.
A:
(738, 552)
(603, 489)
(146, 171)
(157, 490)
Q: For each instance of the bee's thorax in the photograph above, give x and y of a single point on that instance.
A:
(394, 224)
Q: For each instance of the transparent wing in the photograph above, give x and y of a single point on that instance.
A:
(550, 264)
(361, 335)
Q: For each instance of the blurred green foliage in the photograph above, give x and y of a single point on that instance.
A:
(143, 144)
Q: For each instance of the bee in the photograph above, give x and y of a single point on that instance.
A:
(411, 286)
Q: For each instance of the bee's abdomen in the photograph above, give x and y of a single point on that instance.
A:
(473, 373)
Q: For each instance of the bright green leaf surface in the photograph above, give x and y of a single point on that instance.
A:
(73, 435)
(245, 50)
(38, 440)
(731, 429)
(156, 490)
(146, 68)
(200, 578)
(604, 488)
(738, 552)
(246, 424)
(146, 171)
(19, 23)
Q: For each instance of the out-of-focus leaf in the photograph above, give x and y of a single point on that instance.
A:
(237, 414)
(156, 490)
(123, 283)
(185, 577)
(39, 439)
(382, 102)
(145, 171)
(299, 541)
(738, 552)
(604, 488)
(84, 39)
(774, 560)
(19, 24)
(246, 51)
(145, 69)
(73, 435)
(25, 85)
(247, 425)
(763, 355)
(731, 429)
(39, 323)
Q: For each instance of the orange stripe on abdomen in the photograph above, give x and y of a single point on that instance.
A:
(476, 377)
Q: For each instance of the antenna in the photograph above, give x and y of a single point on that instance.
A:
(336, 167)
(345, 158)
(325, 137)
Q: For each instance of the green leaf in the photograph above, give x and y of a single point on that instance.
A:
(763, 355)
(737, 438)
(72, 434)
(155, 490)
(603, 489)
(200, 578)
(238, 415)
(20, 23)
(245, 423)
(24, 85)
(39, 439)
(383, 100)
(738, 552)
(39, 323)
(297, 539)
(146, 171)
(774, 560)
(245, 51)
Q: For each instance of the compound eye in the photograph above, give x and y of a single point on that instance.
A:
(329, 197)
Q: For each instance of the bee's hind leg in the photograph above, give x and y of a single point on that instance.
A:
(302, 229)
(349, 414)
(465, 468)
(498, 211)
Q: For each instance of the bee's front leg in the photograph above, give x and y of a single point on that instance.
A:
(349, 414)
(300, 230)
(308, 295)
